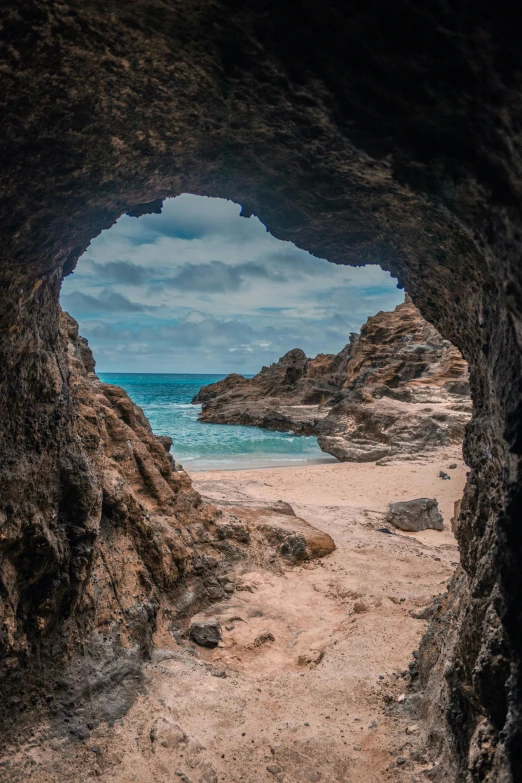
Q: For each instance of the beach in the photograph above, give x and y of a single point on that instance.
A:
(310, 681)
(358, 485)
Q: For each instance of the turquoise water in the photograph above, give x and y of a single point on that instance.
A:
(165, 399)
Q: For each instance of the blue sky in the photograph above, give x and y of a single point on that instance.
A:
(201, 289)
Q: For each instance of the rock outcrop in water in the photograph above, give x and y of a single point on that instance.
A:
(398, 388)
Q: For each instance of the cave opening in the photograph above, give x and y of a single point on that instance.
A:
(181, 297)
(193, 290)
(203, 284)
(112, 508)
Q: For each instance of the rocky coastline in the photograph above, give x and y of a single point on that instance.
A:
(396, 389)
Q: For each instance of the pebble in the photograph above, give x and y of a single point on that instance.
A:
(274, 769)
(401, 760)
(373, 725)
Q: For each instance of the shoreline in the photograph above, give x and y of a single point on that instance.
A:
(357, 485)
(296, 464)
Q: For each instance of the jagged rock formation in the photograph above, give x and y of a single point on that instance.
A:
(122, 542)
(398, 388)
(294, 379)
(134, 549)
(282, 397)
(361, 132)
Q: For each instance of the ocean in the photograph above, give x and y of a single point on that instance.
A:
(165, 399)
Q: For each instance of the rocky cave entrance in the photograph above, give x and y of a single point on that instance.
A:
(409, 361)
(91, 509)
(79, 513)
(355, 132)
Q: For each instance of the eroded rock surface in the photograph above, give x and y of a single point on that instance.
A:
(123, 541)
(398, 388)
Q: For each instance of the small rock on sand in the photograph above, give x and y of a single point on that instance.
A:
(206, 633)
(415, 515)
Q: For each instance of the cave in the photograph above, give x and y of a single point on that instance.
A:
(360, 133)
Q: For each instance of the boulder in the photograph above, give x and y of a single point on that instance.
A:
(415, 515)
(206, 633)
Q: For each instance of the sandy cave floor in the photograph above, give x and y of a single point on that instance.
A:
(308, 682)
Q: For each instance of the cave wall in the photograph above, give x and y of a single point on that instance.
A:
(363, 132)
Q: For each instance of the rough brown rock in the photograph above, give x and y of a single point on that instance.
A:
(415, 515)
(294, 378)
(398, 388)
(118, 546)
(361, 132)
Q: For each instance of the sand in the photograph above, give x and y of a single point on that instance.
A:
(309, 683)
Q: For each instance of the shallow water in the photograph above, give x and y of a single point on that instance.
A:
(165, 399)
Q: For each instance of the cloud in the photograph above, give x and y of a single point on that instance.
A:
(215, 277)
(107, 302)
(122, 272)
(218, 277)
(362, 300)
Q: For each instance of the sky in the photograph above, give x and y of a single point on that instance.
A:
(199, 289)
